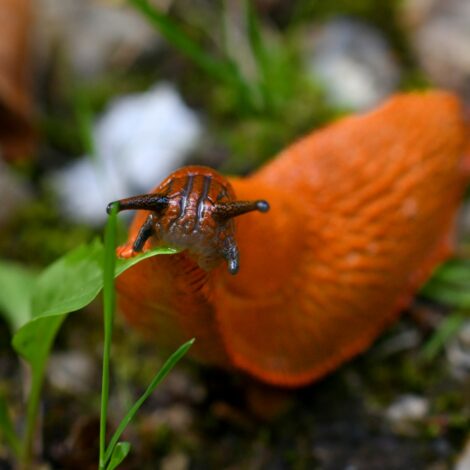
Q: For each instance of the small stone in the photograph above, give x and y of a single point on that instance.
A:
(458, 353)
(440, 34)
(354, 63)
(181, 387)
(94, 35)
(175, 461)
(177, 418)
(72, 372)
(407, 411)
(463, 461)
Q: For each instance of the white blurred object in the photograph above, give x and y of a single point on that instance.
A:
(463, 461)
(405, 412)
(73, 372)
(354, 63)
(440, 35)
(93, 34)
(139, 140)
(458, 353)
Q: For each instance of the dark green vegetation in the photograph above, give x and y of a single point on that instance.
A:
(205, 418)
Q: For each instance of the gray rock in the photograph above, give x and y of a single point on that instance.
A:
(93, 34)
(73, 372)
(175, 461)
(14, 193)
(405, 412)
(458, 353)
(354, 63)
(177, 417)
(463, 461)
(440, 33)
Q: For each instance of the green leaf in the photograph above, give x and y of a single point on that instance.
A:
(450, 284)
(75, 280)
(161, 374)
(70, 283)
(119, 454)
(67, 285)
(7, 429)
(124, 264)
(33, 340)
(16, 285)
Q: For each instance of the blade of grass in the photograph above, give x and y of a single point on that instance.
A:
(84, 117)
(224, 70)
(448, 328)
(109, 300)
(161, 374)
(220, 70)
(7, 429)
(121, 451)
(260, 54)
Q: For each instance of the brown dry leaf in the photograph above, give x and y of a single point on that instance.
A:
(16, 130)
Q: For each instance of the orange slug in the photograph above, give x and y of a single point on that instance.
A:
(360, 214)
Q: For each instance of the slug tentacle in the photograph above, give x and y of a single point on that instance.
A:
(145, 232)
(231, 255)
(149, 202)
(226, 210)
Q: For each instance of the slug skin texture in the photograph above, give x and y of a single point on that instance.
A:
(361, 212)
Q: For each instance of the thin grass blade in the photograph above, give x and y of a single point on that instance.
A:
(161, 374)
(109, 301)
(259, 52)
(446, 330)
(224, 70)
(178, 38)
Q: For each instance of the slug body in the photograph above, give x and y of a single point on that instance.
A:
(361, 212)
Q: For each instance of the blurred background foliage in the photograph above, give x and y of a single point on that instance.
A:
(250, 74)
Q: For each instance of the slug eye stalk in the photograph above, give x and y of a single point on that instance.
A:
(149, 202)
(226, 210)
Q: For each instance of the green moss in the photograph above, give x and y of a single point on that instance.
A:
(37, 234)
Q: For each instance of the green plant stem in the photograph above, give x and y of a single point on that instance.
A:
(109, 303)
(38, 367)
(31, 418)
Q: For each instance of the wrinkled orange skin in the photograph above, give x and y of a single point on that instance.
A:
(361, 212)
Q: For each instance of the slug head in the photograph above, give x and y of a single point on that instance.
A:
(192, 209)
